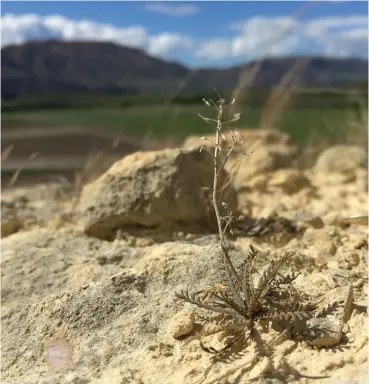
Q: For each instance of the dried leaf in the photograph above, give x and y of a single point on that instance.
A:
(204, 118)
(206, 102)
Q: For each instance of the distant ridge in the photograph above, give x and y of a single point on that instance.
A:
(50, 67)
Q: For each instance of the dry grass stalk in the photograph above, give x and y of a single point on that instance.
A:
(91, 169)
(247, 77)
(356, 131)
(5, 156)
(271, 114)
(6, 152)
(352, 130)
(166, 107)
(281, 97)
(244, 84)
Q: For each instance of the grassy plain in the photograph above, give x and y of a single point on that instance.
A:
(178, 121)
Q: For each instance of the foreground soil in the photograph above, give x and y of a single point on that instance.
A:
(81, 308)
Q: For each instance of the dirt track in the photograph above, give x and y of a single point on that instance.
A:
(65, 141)
(59, 150)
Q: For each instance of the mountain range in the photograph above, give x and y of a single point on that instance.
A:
(54, 67)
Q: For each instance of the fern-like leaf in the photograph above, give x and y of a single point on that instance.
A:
(327, 309)
(265, 281)
(228, 301)
(247, 282)
(286, 280)
(184, 295)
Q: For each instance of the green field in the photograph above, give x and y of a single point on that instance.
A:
(179, 121)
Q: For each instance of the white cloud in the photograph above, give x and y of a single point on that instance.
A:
(257, 25)
(263, 36)
(19, 28)
(330, 25)
(256, 37)
(215, 49)
(251, 38)
(12, 32)
(342, 36)
(161, 44)
(179, 10)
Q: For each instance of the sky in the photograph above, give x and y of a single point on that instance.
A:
(197, 34)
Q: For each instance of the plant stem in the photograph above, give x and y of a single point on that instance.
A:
(215, 181)
(234, 278)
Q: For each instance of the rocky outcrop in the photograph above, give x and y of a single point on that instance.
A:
(151, 189)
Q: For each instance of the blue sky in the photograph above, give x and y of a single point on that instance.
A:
(198, 33)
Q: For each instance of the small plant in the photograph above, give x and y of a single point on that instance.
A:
(240, 296)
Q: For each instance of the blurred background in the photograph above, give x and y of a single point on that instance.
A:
(84, 83)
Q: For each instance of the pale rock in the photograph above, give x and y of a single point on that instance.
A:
(302, 217)
(272, 150)
(321, 239)
(150, 189)
(349, 259)
(327, 331)
(290, 181)
(10, 210)
(341, 158)
(10, 226)
(250, 137)
(263, 159)
(336, 277)
(333, 218)
(194, 142)
(362, 180)
(329, 247)
(316, 280)
(257, 183)
(331, 335)
(181, 324)
(318, 207)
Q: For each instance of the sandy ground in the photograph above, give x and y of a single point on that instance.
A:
(79, 309)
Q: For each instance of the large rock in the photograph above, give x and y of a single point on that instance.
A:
(341, 158)
(273, 150)
(153, 189)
